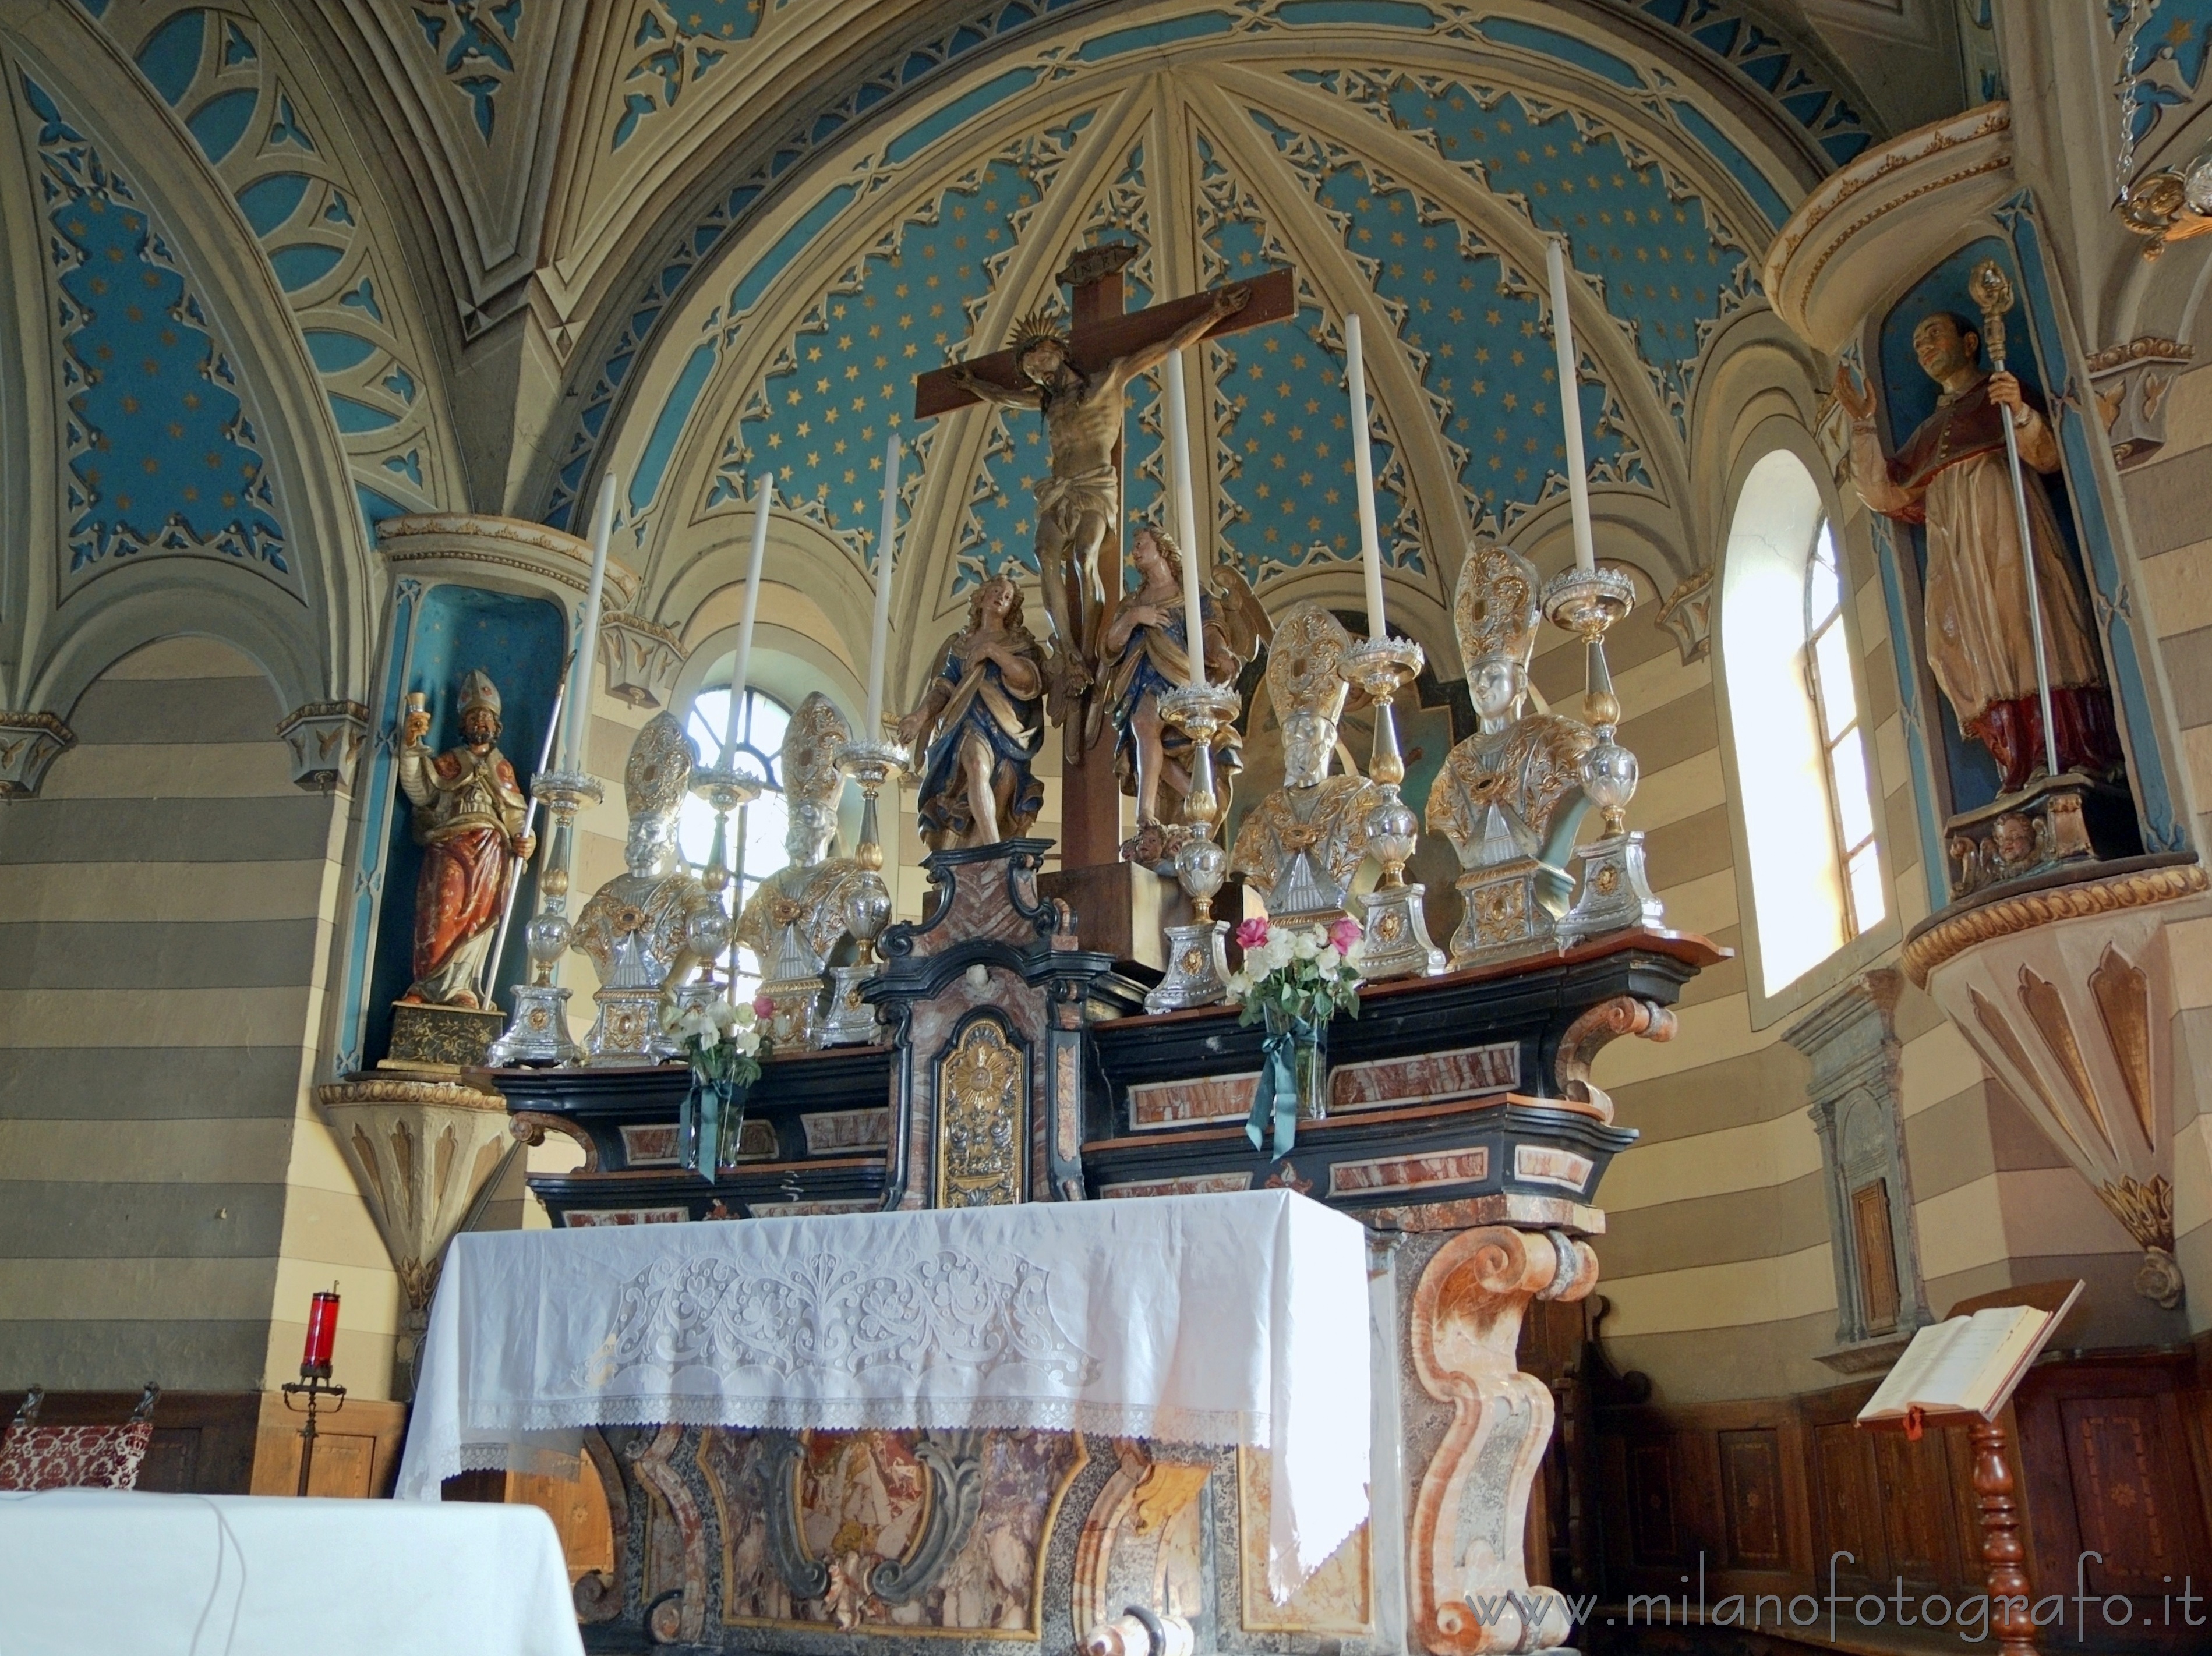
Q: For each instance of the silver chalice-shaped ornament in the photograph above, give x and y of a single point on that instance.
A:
(1615, 892)
(852, 1021)
(1198, 960)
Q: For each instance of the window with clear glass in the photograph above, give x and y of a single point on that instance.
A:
(1828, 675)
(753, 848)
(1801, 773)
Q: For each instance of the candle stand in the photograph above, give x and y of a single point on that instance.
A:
(1198, 962)
(315, 1385)
(1394, 941)
(725, 788)
(1615, 892)
(851, 1021)
(538, 1031)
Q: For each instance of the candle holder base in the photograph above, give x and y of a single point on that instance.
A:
(794, 1023)
(539, 1034)
(1615, 894)
(850, 1022)
(1395, 935)
(1508, 911)
(1197, 968)
(628, 1029)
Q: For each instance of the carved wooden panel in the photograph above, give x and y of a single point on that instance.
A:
(1848, 1518)
(1877, 1256)
(2126, 1502)
(1912, 1482)
(1751, 1490)
(2108, 1467)
(1651, 1503)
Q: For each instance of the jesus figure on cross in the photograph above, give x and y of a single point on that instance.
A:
(1080, 502)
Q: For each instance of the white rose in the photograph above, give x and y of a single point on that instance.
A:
(1240, 985)
(1305, 947)
(1327, 959)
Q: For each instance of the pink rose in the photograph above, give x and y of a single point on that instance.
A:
(763, 1007)
(1252, 934)
(1344, 933)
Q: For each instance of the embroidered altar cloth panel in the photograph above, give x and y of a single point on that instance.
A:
(1234, 1319)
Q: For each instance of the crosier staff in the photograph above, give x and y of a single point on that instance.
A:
(1992, 293)
(529, 827)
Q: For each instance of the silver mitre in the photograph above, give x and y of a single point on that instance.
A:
(649, 929)
(1300, 846)
(1510, 797)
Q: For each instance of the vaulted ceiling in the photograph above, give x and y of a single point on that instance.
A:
(520, 241)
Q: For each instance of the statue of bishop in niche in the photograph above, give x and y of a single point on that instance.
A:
(1952, 476)
(469, 813)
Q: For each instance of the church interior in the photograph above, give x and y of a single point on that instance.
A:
(974, 649)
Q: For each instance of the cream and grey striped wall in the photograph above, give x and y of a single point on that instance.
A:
(2165, 499)
(1717, 1261)
(168, 1198)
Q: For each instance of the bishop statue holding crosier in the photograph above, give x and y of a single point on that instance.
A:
(470, 818)
(1952, 476)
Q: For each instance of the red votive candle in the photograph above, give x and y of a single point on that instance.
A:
(322, 1331)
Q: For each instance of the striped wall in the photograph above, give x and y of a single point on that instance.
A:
(2173, 536)
(169, 1200)
(1717, 1261)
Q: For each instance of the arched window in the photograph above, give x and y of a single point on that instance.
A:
(1801, 761)
(755, 846)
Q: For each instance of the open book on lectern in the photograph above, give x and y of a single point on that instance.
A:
(1967, 1365)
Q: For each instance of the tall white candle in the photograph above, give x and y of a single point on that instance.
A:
(1362, 475)
(764, 502)
(579, 719)
(879, 626)
(1186, 521)
(1571, 404)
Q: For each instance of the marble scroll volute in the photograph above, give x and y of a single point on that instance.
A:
(422, 1153)
(2068, 996)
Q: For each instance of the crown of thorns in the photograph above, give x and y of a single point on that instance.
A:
(1038, 328)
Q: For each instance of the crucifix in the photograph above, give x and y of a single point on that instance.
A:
(1078, 381)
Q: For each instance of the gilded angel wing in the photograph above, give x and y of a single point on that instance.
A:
(1242, 617)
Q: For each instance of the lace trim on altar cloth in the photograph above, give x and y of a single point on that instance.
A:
(826, 1314)
(1232, 1428)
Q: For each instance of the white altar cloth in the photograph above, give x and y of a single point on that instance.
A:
(1214, 1319)
(84, 1570)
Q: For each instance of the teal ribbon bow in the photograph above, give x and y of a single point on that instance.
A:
(1276, 1097)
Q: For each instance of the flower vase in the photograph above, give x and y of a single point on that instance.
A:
(714, 1113)
(1294, 1072)
(1310, 1064)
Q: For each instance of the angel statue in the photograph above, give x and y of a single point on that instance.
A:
(982, 720)
(1145, 650)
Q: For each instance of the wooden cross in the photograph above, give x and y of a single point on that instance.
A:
(1101, 332)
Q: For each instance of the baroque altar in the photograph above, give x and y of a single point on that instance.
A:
(1022, 1056)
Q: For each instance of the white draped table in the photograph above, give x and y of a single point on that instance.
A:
(87, 1570)
(1231, 1319)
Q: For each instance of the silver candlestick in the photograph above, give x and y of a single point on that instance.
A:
(1395, 935)
(1198, 962)
(1615, 892)
(852, 1021)
(725, 788)
(538, 1031)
